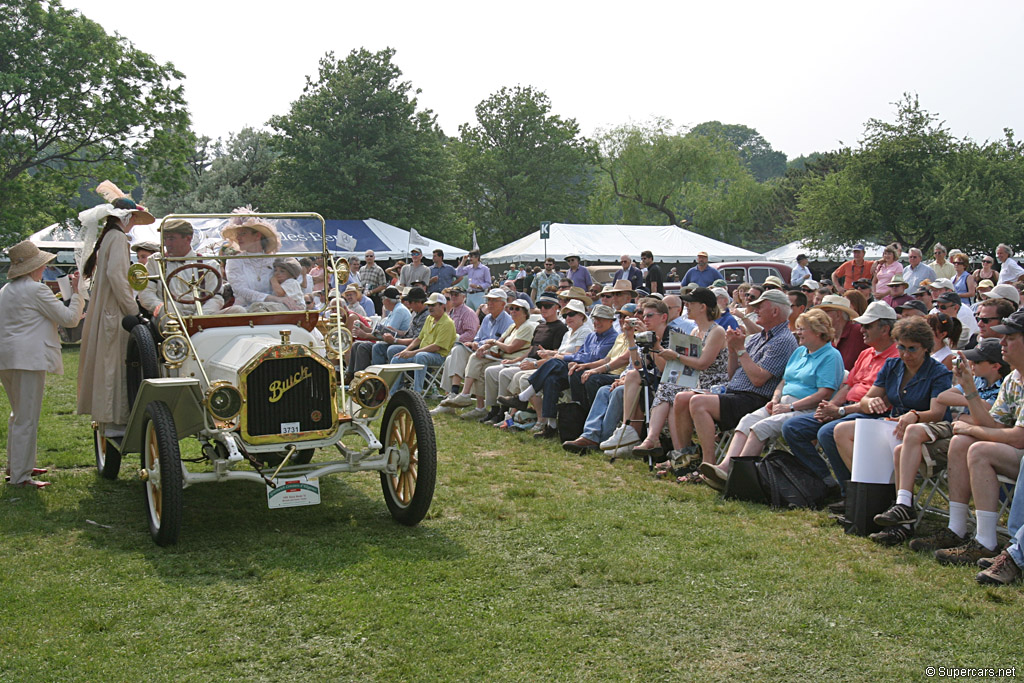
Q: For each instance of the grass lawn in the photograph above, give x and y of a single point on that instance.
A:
(532, 565)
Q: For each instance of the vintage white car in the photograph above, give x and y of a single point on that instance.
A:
(262, 394)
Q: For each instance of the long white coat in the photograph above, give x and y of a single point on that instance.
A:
(29, 315)
(102, 383)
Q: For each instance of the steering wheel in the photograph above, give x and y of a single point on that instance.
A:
(195, 284)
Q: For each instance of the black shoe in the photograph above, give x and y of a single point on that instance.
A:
(513, 402)
(548, 432)
(838, 507)
(896, 515)
(490, 417)
(894, 535)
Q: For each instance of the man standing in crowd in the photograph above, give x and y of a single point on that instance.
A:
(701, 274)
(629, 272)
(801, 273)
(415, 270)
(372, 279)
(917, 271)
(442, 276)
(579, 275)
(479, 274)
(855, 269)
(548, 277)
(1009, 270)
(654, 283)
(942, 267)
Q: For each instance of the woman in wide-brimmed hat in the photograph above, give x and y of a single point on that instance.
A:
(29, 348)
(102, 382)
(250, 278)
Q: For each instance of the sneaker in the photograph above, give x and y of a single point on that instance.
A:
(894, 535)
(474, 414)
(940, 540)
(624, 435)
(1001, 572)
(837, 508)
(620, 452)
(460, 401)
(442, 409)
(896, 515)
(968, 553)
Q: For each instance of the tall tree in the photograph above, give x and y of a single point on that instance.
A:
(912, 181)
(355, 145)
(656, 174)
(520, 165)
(77, 104)
(757, 153)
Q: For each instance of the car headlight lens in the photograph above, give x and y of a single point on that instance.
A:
(338, 339)
(224, 401)
(369, 391)
(174, 349)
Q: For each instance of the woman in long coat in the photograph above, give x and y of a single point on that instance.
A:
(102, 382)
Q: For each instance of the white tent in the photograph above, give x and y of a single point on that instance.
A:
(787, 253)
(608, 242)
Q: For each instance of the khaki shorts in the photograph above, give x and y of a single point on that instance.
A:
(937, 446)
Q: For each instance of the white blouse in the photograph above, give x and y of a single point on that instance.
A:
(250, 279)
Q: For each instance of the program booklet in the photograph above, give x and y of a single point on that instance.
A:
(675, 372)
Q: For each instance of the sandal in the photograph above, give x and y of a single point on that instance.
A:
(691, 478)
(643, 450)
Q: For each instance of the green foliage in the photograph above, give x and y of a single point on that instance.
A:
(913, 182)
(222, 176)
(77, 104)
(354, 145)
(657, 175)
(520, 165)
(757, 153)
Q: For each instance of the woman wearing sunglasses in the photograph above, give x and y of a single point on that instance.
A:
(963, 282)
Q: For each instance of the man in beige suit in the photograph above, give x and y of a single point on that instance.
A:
(29, 348)
(177, 238)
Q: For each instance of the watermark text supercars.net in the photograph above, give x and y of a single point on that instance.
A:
(970, 672)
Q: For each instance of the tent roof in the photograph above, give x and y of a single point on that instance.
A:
(789, 252)
(609, 242)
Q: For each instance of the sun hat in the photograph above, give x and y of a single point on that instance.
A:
(351, 288)
(151, 247)
(519, 303)
(620, 286)
(576, 293)
(602, 311)
(436, 298)
(575, 305)
(774, 281)
(986, 283)
(26, 257)
(1003, 291)
(836, 302)
(941, 283)
(294, 269)
(876, 310)
(897, 279)
(775, 296)
(260, 225)
(120, 200)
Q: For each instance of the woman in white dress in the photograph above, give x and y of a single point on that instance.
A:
(250, 278)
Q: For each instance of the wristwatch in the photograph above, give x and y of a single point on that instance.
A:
(741, 353)
(842, 411)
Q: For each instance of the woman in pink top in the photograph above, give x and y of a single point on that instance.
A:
(884, 271)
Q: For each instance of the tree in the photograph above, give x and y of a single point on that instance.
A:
(913, 182)
(757, 153)
(354, 145)
(656, 174)
(76, 104)
(520, 165)
(222, 176)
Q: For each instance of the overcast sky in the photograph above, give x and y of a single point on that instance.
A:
(806, 75)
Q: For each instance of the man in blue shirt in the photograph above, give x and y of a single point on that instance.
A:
(629, 272)
(552, 377)
(701, 274)
(397, 319)
(579, 275)
(441, 274)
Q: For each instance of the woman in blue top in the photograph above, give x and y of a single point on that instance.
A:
(907, 388)
(813, 374)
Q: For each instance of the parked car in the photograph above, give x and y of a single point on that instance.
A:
(754, 272)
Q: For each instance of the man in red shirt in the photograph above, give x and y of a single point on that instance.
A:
(856, 268)
(849, 339)
(799, 432)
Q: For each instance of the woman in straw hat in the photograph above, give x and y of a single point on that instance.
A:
(102, 383)
(250, 278)
(29, 348)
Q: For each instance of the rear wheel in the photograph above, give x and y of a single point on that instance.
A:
(408, 432)
(108, 457)
(162, 479)
(140, 361)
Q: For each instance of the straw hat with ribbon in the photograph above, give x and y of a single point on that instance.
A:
(25, 258)
(260, 225)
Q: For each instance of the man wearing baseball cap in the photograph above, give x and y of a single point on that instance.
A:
(397, 318)
(432, 345)
(701, 274)
(415, 270)
(855, 269)
(949, 303)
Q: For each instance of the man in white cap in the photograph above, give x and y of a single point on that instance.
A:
(433, 344)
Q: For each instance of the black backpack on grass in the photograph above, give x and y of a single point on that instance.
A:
(778, 479)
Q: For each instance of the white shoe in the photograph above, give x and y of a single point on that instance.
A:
(620, 452)
(474, 414)
(624, 435)
(442, 409)
(460, 401)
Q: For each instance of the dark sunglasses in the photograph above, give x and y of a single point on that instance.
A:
(570, 314)
(546, 304)
(944, 307)
(989, 321)
(907, 349)
(862, 286)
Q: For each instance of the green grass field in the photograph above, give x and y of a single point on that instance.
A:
(532, 565)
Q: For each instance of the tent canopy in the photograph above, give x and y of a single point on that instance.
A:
(608, 242)
(349, 237)
(787, 253)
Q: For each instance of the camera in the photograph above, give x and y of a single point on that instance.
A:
(645, 339)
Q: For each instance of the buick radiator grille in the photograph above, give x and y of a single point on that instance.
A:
(284, 391)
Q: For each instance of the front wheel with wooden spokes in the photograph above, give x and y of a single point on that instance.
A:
(407, 434)
(161, 474)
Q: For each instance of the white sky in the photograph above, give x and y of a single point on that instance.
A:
(806, 75)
